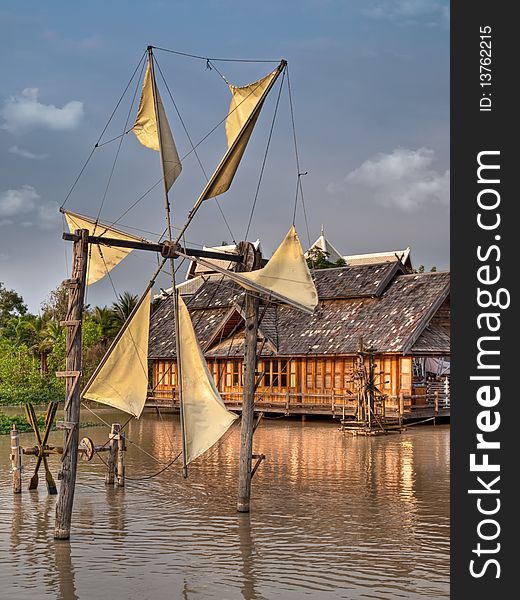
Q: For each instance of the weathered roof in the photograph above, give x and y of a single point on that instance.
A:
(436, 335)
(354, 282)
(379, 257)
(393, 312)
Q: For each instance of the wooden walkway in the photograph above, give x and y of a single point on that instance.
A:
(332, 409)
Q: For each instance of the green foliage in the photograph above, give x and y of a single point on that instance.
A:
(55, 306)
(21, 379)
(22, 425)
(121, 309)
(32, 348)
(421, 269)
(11, 305)
(318, 259)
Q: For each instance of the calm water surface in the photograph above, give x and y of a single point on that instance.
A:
(333, 516)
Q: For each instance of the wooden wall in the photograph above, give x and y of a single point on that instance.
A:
(309, 379)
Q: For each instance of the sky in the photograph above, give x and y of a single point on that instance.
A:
(369, 88)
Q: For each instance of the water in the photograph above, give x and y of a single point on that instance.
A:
(333, 516)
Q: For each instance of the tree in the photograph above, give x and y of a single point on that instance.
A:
(11, 305)
(16, 330)
(421, 269)
(109, 324)
(319, 259)
(41, 343)
(56, 305)
(126, 302)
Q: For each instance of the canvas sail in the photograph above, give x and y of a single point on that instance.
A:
(286, 276)
(206, 419)
(102, 259)
(246, 103)
(122, 381)
(146, 131)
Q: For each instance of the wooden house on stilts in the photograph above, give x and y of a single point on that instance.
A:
(376, 318)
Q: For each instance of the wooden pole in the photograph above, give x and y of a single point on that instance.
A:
(16, 460)
(175, 297)
(111, 461)
(67, 475)
(252, 261)
(120, 471)
(248, 403)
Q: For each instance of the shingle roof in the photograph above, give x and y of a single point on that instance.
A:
(354, 301)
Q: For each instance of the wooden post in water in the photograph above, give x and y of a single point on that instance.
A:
(252, 303)
(67, 475)
(248, 403)
(16, 460)
(111, 461)
(120, 471)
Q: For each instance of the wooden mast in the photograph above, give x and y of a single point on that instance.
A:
(69, 459)
(252, 303)
(175, 297)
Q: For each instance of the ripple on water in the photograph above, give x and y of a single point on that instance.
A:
(333, 516)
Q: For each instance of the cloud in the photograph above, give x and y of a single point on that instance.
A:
(25, 200)
(15, 202)
(24, 111)
(410, 11)
(403, 179)
(27, 153)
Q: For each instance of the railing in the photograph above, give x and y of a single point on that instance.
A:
(326, 403)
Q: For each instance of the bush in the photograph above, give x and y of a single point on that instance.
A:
(11, 395)
(22, 425)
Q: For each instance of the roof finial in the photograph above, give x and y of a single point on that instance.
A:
(322, 229)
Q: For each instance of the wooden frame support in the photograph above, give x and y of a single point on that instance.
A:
(69, 457)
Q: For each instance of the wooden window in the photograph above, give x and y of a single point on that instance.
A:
(234, 374)
(328, 373)
(309, 373)
(293, 367)
(338, 373)
(276, 374)
(387, 374)
(319, 374)
(406, 374)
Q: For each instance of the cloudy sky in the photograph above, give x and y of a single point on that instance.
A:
(369, 81)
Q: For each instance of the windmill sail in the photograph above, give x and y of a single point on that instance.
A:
(286, 276)
(122, 381)
(102, 259)
(157, 138)
(246, 104)
(206, 419)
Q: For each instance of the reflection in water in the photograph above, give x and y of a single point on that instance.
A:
(65, 570)
(333, 516)
(247, 552)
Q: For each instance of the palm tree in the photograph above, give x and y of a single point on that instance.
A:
(41, 343)
(17, 330)
(126, 302)
(106, 319)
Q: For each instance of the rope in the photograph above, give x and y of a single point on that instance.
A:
(158, 472)
(119, 146)
(103, 132)
(205, 58)
(193, 147)
(298, 170)
(265, 156)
